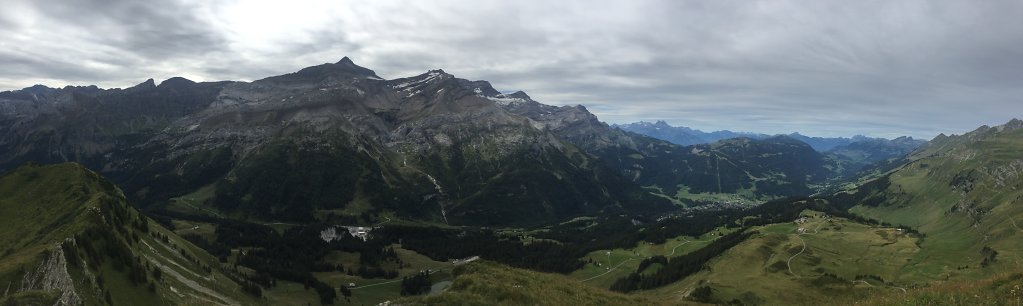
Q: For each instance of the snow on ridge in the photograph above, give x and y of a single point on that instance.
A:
(501, 99)
(407, 85)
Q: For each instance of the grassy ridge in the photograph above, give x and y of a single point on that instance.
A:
(67, 225)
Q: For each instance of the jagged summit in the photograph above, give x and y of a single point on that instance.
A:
(1013, 124)
(343, 69)
(148, 84)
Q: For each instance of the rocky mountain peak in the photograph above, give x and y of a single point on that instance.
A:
(39, 90)
(519, 95)
(175, 82)
(1013, 124)
(148, 84)
(343, 69)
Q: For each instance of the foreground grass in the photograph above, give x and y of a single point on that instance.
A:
(488, 283)
(1000, 290)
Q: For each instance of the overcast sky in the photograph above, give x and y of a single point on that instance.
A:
(828, 68)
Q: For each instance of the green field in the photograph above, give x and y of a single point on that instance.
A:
(744, 196)
(375, 291)
(603, 267)
(774, 266)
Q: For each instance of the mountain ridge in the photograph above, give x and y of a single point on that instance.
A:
(413, 137)
(72, 239)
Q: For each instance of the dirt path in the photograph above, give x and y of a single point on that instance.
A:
(676, 247)
(384, 283)
(684, 243)
(864, 282)
(872, 286)
(612, 269)
(789, 262)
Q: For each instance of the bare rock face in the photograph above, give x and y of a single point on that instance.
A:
(52, 274)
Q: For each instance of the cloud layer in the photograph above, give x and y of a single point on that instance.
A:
(830, 68)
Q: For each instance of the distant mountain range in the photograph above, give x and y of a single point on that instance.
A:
(683, 135)
(844, 155)
(687, 136)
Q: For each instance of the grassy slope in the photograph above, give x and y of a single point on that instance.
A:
(958, 224)
(488, 283)
(606, 268)
(42, 206)
(998, 290)
(757, 270)
(375, 291)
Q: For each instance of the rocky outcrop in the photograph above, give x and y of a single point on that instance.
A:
(52, 275)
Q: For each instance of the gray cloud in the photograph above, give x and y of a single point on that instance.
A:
(882, 68)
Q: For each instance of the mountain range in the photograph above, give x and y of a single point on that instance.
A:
(336, 140)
